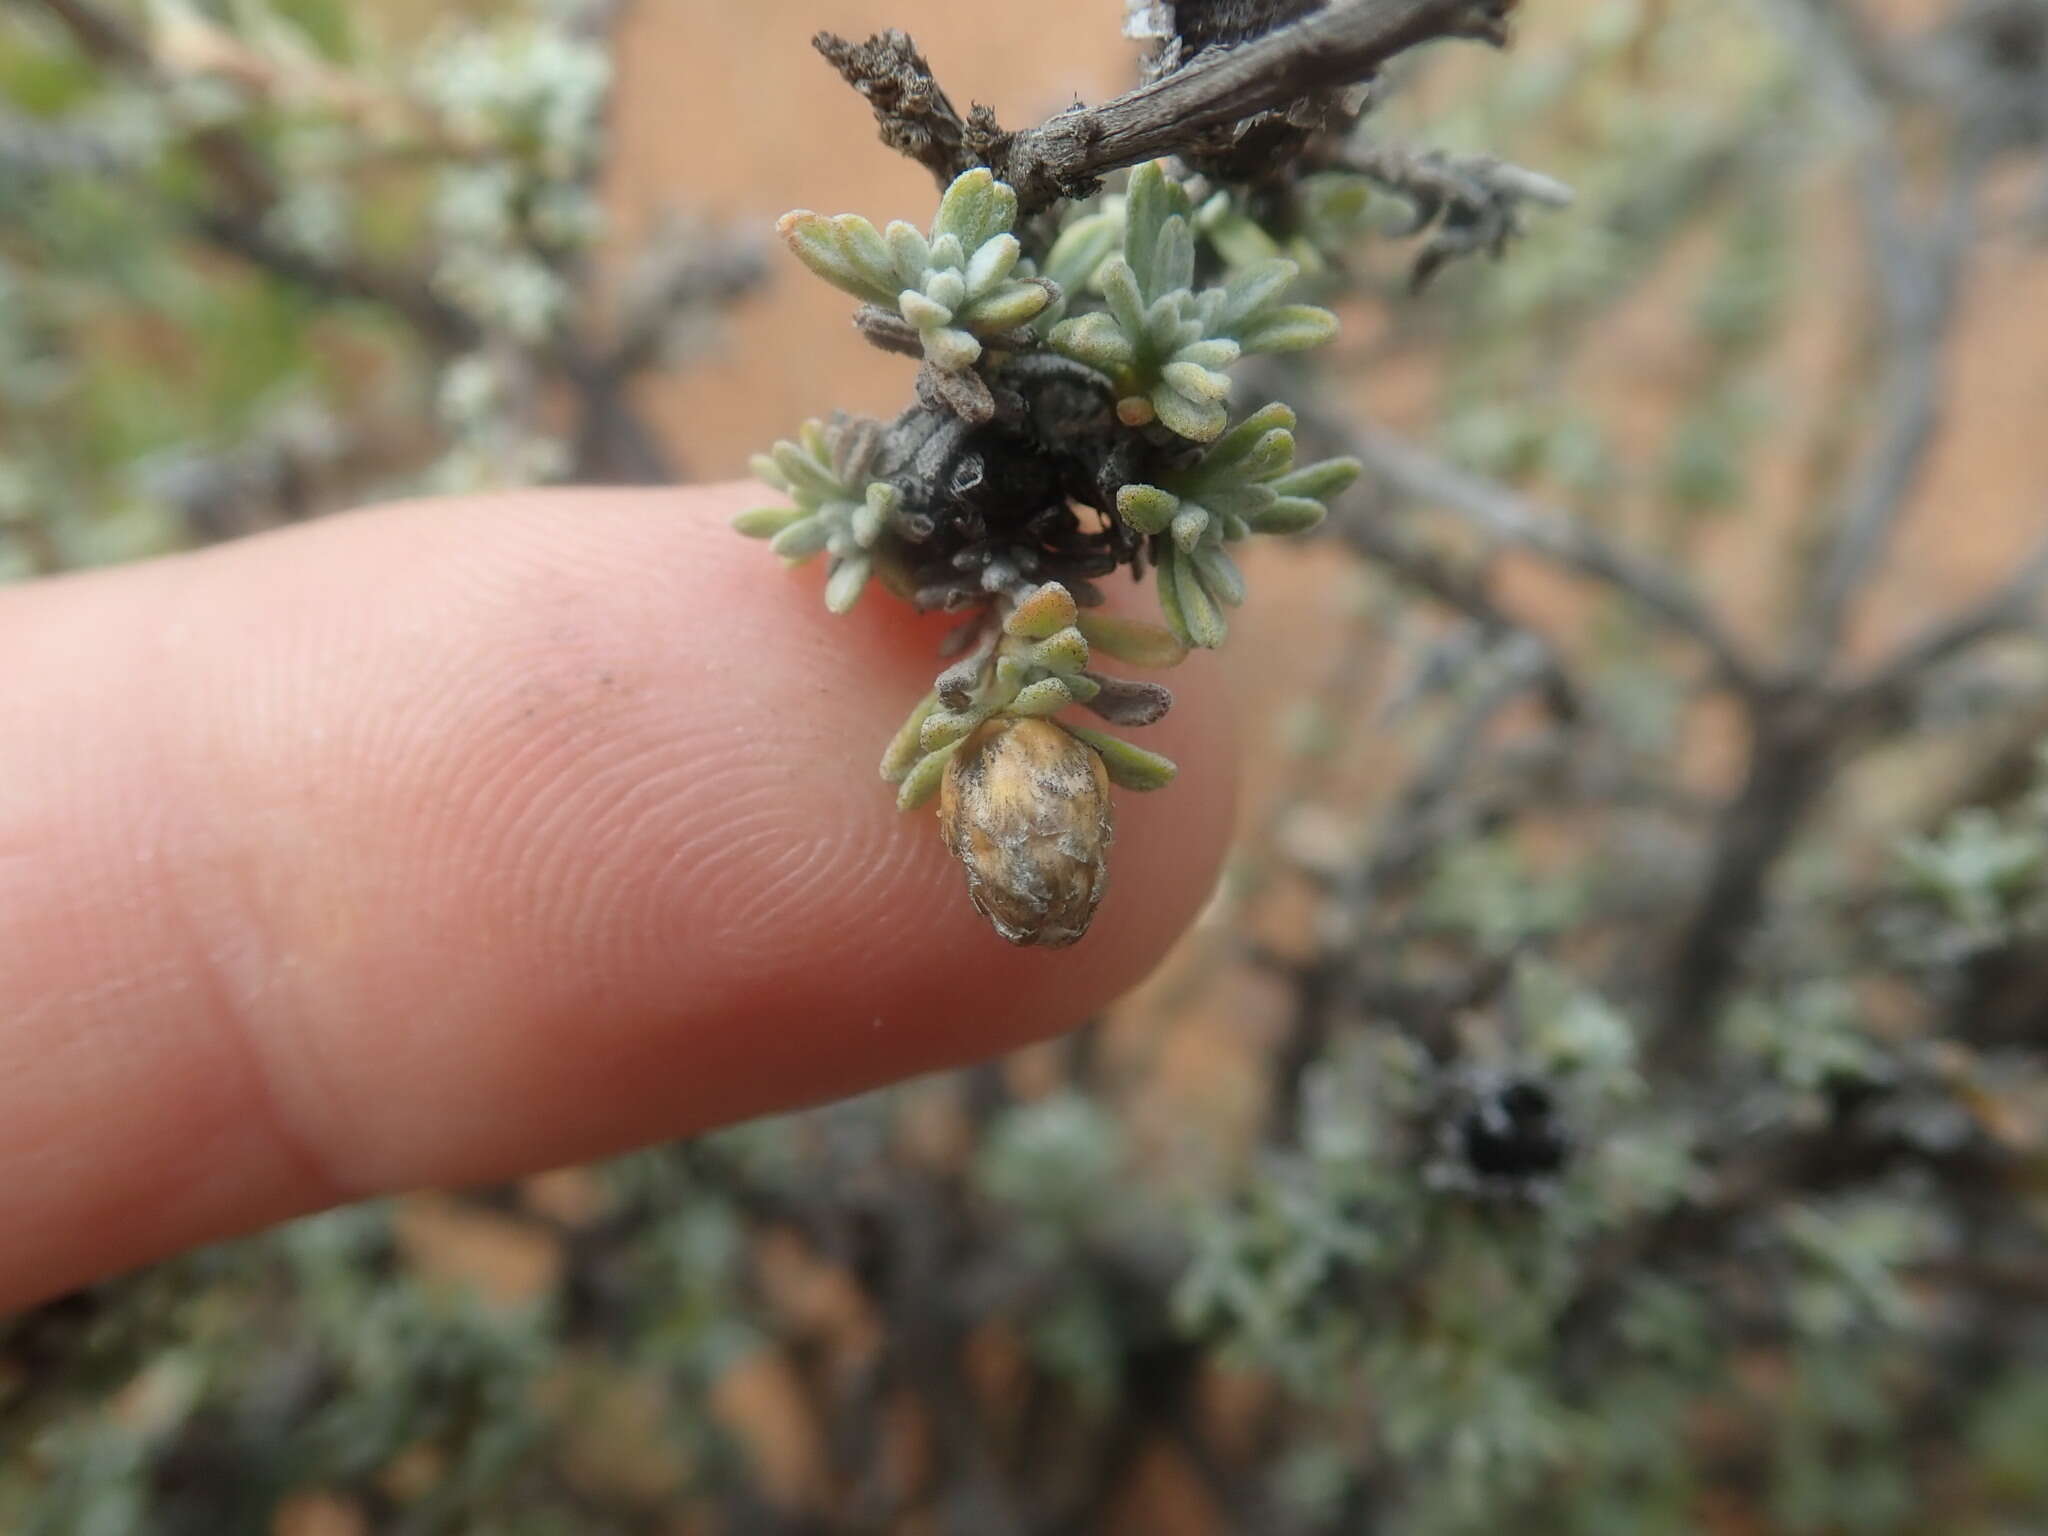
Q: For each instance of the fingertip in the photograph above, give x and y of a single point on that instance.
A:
(452, 841)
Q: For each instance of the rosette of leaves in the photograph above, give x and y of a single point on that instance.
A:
(1163, 343)
(1246, 483)
(956, 287)
(1038, 661)
(839, 512)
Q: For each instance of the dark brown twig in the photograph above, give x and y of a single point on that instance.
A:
(1916, 271)
(1066, 156)
(1559, 538)
(1346, 42)
(2015, 604)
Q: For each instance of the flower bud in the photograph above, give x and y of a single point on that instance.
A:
(1025, 807)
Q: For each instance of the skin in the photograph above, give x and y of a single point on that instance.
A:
(441, 843)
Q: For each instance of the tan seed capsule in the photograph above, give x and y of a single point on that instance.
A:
(1025, 806)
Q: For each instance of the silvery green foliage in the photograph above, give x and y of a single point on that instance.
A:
(1244, 483)
(1036, 663)
(1165, 343)
(1982, 873)
(516, 215)
(531, 98)
(1425, 1225)
(969, 500)
(370, 260)
(956, 287)
(1334, 210)
(839, 512)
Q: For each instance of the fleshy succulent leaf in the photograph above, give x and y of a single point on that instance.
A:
(1321, 480)
(800, 541)
(766, 522)
(1147, 508)
(1047, 696)
(1007, 307)
(1132, 640)
(1289, 514)
(821, 244)
(849, 579)
(1221, 578)
(1199, 421)
(1042, 614)
(923, 779)
(904, 750)
(1290, 328)
(1097, 340)
(1191, 612)
(1129, 767)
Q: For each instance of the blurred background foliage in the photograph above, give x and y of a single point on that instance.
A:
(1608, 1093)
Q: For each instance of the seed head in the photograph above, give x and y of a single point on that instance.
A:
(1025, 807)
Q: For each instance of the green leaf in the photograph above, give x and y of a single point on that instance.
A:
(849, 580)
(1129, 767)
(1199, 421)
(1289, 514)
(948, 288)
(1290, 328)
(1083, 246)
(1170, 326)
(1126, 300)
(1132, 640)
(1238, 501)
(1146, 507)
(1220, 576)
(1197, 382)
(1150, 200)
(927, 314)
(1241, 241)
(942, 727)
(1173, 263)
(872, 513)
(820, 244)
(904, 748)
(805, 474)
(923, 780)
(975, 208)
(1010, 306)
(865, 249)
(800, 541)
(1192, 612)
(1254, 288)
(910, 251)
(1065, 653)
(991, 264)
(1094, 339)
(1320, 480)
(951, 349)
(1047, 696)
(1043, 614)
(766, 522)
(1237, 445)
(1216, 352)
